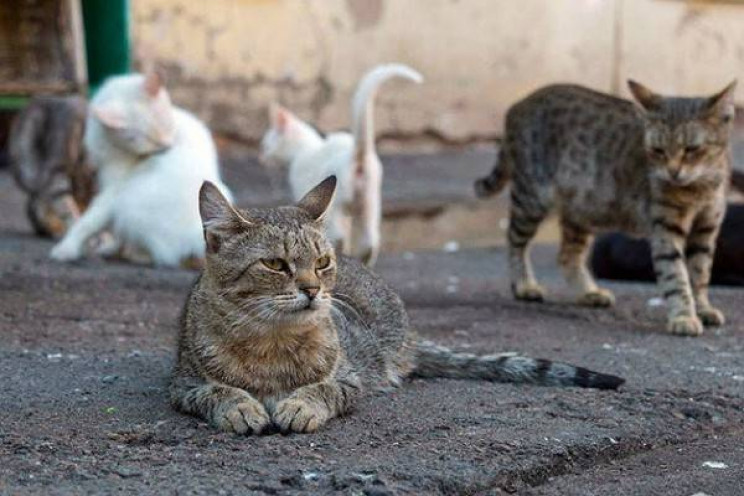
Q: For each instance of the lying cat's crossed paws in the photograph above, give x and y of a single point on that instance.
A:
(245, 417)
(297, 415)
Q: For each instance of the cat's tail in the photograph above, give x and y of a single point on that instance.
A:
(363, 126)
(493, 183)
(433, 360)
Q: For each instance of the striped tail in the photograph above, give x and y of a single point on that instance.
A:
(493, 183)
(433, 360)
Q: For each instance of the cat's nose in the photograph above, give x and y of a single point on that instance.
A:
(311, 292)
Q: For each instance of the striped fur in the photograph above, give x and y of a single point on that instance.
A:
(433, 360)
(255, 350)
(658, 168)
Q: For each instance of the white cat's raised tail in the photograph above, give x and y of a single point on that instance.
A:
(354, 217)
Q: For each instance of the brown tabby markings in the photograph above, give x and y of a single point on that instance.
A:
(278, 330)
(659, 169)
(47, 161)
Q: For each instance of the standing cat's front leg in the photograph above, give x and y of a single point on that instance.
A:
(311, 406)
(701, 245)
(95, 219)
(667, 247)
(575, 242)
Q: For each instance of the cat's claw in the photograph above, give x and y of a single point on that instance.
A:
(246, 417)
(528, 291)
(685, 326)
(711, 316)
(66, 252)
(296, 415)
(600, 298)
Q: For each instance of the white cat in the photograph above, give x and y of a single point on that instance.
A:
(353, 220)
(151, 158)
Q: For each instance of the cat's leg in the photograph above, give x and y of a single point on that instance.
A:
(109, 246)
(93, 220)
(311, 406)
(525, 218)
(575, 243)
(701, 245)
(667, 248)
(225, 407)
(368, 245)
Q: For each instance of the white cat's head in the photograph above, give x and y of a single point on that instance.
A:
(287, 137)
(136, 112)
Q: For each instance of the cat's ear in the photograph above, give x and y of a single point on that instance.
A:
(153, 83)
(280, 117)
(219, 218)
(647, 99)
(317, 201)
(110, 114)
(722, 103)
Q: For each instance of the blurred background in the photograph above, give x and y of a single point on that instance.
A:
(226, 60)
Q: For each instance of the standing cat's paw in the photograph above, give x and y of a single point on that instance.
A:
(711, 316)
(685, 326)
(64, 251)
(296, 415)
(600, 298)
(245, 417)
(528, 291)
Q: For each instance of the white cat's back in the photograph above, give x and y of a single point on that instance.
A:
(335, 157)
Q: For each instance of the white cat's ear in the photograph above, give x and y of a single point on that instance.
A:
(219, 218)
(153, 83)
(110, 114)
(722, 103)
(647, 99)
(280, 117)
(317, 201)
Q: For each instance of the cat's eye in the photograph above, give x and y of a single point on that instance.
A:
(276, 264)
(658, 152)
(323, 262)
(692, 149)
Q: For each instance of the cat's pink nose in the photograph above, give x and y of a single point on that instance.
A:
(311, 292)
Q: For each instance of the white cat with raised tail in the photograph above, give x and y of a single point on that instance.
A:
(151, 159)
(353, 220)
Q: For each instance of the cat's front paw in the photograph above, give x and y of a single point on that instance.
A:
(685, 326)
(711, 316)
(528, 291)
(599, 298)
(297, 415)
(65, 251)
(244, 417)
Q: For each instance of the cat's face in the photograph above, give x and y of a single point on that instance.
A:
(138, 116)
(275, 264)
(287, 135)
(684, 138)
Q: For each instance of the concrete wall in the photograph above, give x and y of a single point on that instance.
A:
(226, 59)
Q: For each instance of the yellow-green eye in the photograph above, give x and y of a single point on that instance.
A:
(658, 152)
(323, 262)
(693, 149)
(276, 264)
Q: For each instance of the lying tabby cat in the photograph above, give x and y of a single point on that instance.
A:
(659, 169)
(279, 330)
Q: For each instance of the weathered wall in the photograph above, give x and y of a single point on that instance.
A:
(226, 59)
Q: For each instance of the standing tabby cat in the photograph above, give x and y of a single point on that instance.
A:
(278, 330)
(659, 169)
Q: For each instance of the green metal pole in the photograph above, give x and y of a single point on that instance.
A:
(107, 40)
